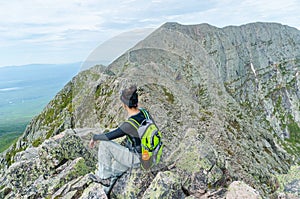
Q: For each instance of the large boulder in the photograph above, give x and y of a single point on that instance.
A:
(42, 171)
(239, 189)
(165, 185)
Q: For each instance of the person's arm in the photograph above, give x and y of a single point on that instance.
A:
(108, 136)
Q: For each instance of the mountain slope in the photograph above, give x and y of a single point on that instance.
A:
(222, 97)
(257, 64)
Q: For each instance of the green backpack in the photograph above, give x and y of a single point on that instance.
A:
(151, 142)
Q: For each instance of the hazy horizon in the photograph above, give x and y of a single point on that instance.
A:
(26, 90)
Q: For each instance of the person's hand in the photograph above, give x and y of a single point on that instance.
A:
(92, 143)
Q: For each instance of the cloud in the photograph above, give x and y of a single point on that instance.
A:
(241, 12)
(114, 47)
(286, 12)
(23, 18)
(78, 26)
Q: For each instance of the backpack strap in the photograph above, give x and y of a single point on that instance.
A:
(146, 114)
(134, 123)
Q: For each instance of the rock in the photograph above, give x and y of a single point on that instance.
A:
(70, 194)
(133, 185)
(290, 182)
(196, 184)
(56, 164)
(22, 174)
(239, 189)
(73, 170)
(31, 153)
(293, 187)
(94, 191)
(76, 186)
(191, 197)
(165, 185)
(215, 175)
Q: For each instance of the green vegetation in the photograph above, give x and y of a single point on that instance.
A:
(294, 130)
(49, 133)
(9, 133)
(11, 154)
(170, 96)
(53, 117)
(291, 144)
(7, 140)
(12, 127)
(103, 90)
(37, 142)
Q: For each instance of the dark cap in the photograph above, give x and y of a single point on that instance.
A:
(129, 96)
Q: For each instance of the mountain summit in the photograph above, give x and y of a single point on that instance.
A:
(226, 100)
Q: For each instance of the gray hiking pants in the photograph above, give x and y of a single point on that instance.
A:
(114, 159)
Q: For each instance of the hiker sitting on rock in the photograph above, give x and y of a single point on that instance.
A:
(113, 158)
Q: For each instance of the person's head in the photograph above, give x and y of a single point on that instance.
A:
(129, 97)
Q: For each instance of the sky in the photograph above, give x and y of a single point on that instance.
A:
(56, 31)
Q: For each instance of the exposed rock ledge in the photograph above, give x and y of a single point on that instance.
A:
(59, 168)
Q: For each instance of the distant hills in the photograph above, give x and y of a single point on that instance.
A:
(25, 90)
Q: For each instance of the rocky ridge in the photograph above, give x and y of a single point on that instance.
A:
(231, 97)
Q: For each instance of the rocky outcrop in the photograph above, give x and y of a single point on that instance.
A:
(239, 189)
(57, 165)
(258, 65)
(226, 100)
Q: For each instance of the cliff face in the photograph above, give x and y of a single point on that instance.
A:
(227, 101)
(258, 64)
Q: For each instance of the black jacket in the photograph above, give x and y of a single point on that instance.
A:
(125, 129)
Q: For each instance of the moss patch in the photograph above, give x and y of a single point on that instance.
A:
(191, 162)
(79, 169)
(292, 144)
(170, 96)
(37, 142)
(294, 130)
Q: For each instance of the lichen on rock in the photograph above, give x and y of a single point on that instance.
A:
(165, 185)
(54, 163)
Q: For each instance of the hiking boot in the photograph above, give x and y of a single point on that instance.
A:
(109, 188)
(97, 179)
